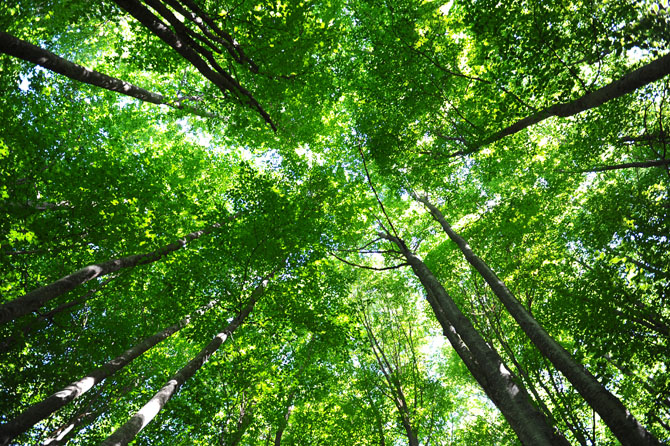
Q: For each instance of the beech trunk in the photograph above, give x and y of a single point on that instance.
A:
(620, 421)
(126, 433)
(39, 297)
(486, 365)
(645, 75)
(39, 411)
(32, 53)
(179, 43)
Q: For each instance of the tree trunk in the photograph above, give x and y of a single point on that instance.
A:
(126, 433)
(647, 74)
(37, 298)
(621, 422)
(221, 79)
(80, 417)
(31, 53)
(243, 422)
(213, 33)
(44, 58)
(282, 427)
(529, 423)
(62, 435)
(8, 343)
(49, 405)
(69, 430)
(387, 370)
(632, 165)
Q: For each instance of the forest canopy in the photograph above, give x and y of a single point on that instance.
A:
(357, 222)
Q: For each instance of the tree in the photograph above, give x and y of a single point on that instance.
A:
(162, 159)
(612, 411)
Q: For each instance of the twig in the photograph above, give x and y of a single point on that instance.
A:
(368, 267)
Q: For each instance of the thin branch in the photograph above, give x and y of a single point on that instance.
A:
(631, 81)
(633, 165)
(369, 267)
(367, 174)
(370, 251)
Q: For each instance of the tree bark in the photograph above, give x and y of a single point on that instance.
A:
(62, 435)
(243, 422)
(69, 430)
(632, 165)
(39, 411)
(221, 79)
(282, 427)
(620, 421)
(389, 373)
(9, 342)
(529, 423)
(647, 74)
(216, 35)
(126, 433)
(37, 298)
(31, 53)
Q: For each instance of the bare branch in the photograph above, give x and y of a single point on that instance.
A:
(368, 267)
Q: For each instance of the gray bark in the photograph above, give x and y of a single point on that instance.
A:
(282, 427)
(39, 411)
(39, 297)
(68, 431)
(126, 433)
(180, 43)
(393, 382)
(62, 435)
(31, 53)
(9, 342)
(620, 421)
(502, 387)
(631, 165)
(645, 75)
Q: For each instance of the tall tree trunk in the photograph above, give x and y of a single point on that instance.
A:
(529, 423)
(126, 433)
(80, 417)
(393, 382)
(212, 31)
(282, 427)
(620, 421)
(73, 426)
(493, 321)
(31, 53)
(180, 44)
(62, 435)
(631, 165)
(647, 74)
(37, 298)
(243, 422)
(8, 343)
(39, 411)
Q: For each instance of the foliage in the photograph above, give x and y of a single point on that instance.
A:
(371, 100)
